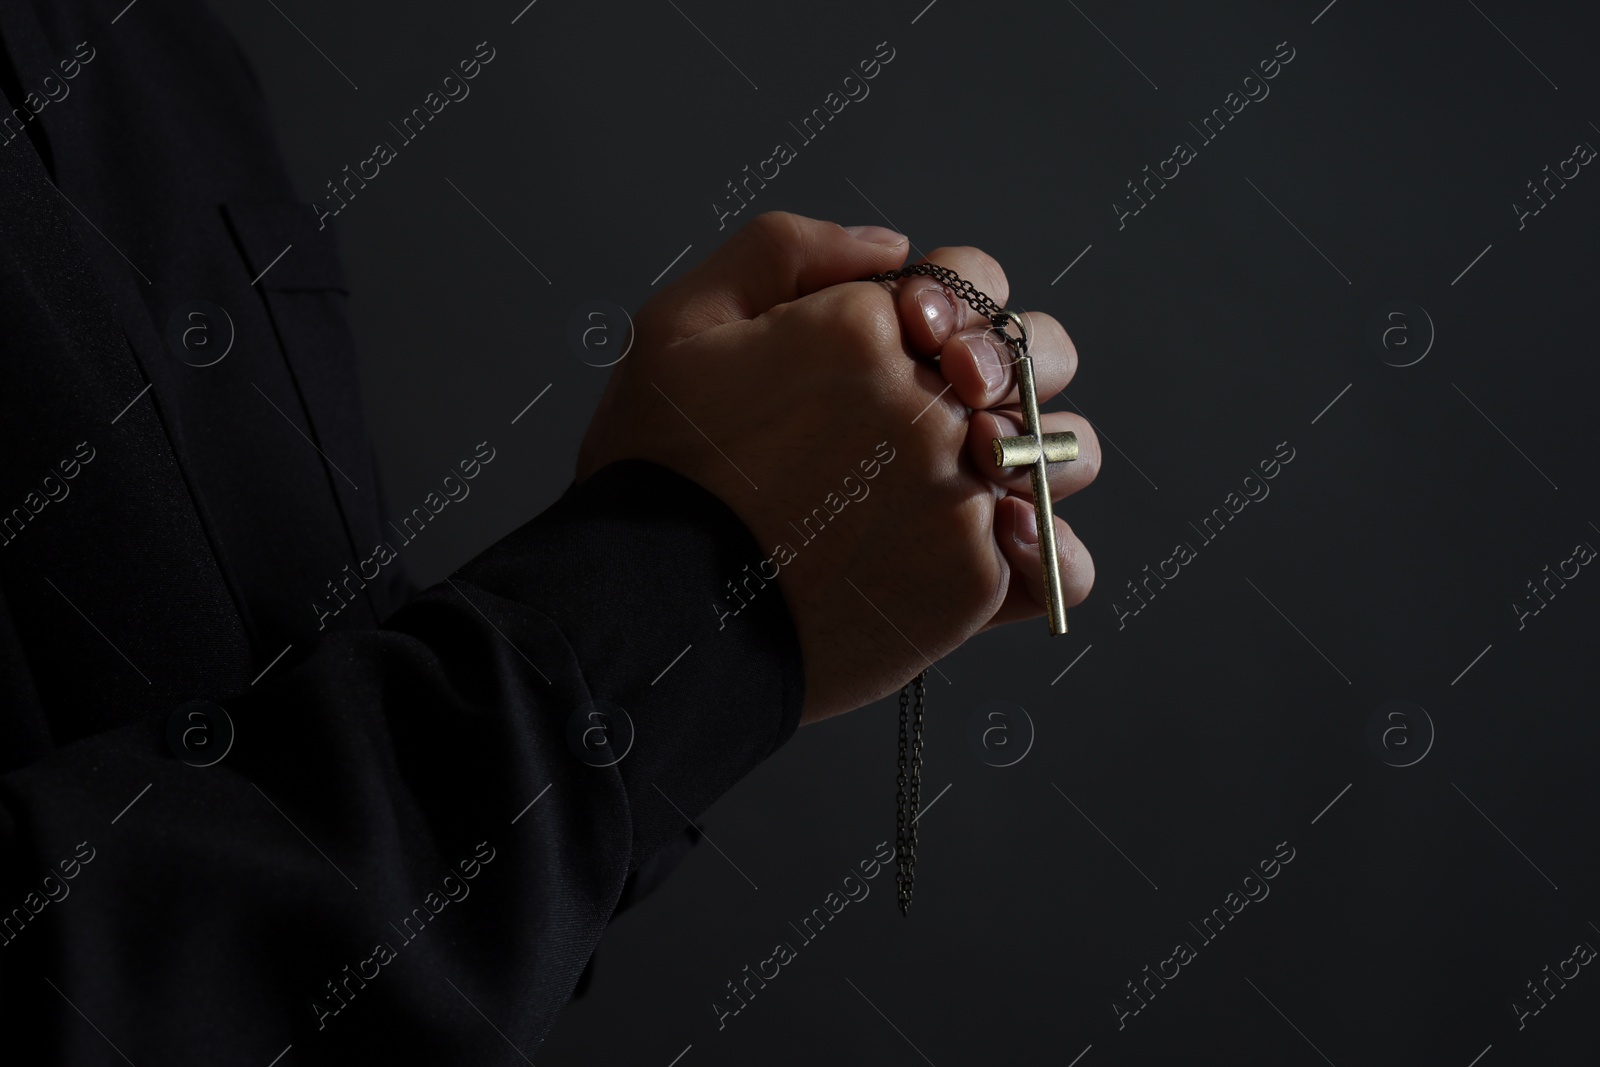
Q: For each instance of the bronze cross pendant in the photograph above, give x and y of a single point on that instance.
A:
(1034, 449)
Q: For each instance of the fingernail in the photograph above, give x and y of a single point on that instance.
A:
(939, 308)
(878, 235)
(1028, 528)
(1009, 427)
(986, 354)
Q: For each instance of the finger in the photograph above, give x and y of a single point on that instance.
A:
(777, 257)
(982, 367)
(930, 311)
(1016, 529)
(1065, 478)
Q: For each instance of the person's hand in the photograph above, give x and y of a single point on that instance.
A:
(981, 372)
(771, 376)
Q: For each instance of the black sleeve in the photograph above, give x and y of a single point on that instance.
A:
(403, 854)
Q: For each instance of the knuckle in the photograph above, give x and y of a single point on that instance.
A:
(990, 276)
(1082, 577)
(866, 321)
(778, 231)
(990, 266)
(1049, 330)
(790, 315)
(1089, 454)
(1077, 565)
(924, 459)
(979, 582)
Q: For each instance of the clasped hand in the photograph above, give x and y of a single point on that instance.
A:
(770, 371)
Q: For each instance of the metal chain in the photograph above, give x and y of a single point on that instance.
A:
(979, 301)
(908, 793)
(903, 823)
(908, 780)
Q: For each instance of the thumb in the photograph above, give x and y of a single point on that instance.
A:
(776, 257)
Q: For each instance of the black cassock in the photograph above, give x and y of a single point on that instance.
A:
(348, 879)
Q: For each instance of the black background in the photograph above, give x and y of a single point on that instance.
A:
(1224, 717)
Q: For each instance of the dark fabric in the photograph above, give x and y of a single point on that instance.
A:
(165, 545)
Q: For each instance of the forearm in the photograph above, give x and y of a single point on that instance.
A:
(220, 905)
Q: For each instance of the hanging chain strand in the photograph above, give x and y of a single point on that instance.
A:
(908, 794)
(908, 781)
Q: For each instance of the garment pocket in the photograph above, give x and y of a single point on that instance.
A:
(294, 266)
